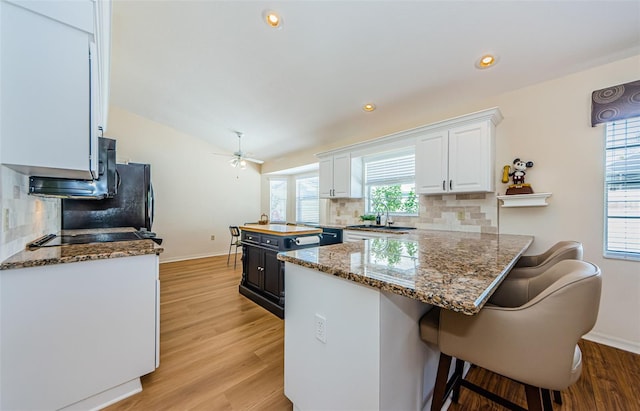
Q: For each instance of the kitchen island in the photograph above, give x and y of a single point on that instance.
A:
(351, 319)
(262, 273)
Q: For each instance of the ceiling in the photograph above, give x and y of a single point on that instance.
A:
(207, 68)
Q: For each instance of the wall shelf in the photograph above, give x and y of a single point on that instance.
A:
(525, 200)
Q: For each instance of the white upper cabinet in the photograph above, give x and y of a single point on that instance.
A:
(432, 151)
(340, 177)
(456, 159)
(54, 80)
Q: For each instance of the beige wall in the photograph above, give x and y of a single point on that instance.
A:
(197, 193)
(549, 123)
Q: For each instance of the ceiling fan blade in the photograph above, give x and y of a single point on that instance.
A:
(253, 160)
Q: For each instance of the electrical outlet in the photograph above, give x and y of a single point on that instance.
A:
(213, 237)
(460, 215)
(321, 328)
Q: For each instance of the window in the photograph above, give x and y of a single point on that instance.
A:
(389, 181)
(622, 189)
(278, 199)
(307, 200)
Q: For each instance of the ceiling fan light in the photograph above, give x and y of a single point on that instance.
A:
(243, 164)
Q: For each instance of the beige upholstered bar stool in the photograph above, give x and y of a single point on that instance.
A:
(535, 343)
(512, 290)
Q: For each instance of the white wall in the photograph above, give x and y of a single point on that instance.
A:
(197, 193)
(549, 123)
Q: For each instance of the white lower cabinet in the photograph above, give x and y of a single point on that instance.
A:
(73, 331)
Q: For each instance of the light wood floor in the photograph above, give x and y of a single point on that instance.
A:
(220, 351)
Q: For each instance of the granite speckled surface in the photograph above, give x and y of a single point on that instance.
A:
(454, 270)
(81, 252)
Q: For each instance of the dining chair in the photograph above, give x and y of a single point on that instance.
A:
(235, 240)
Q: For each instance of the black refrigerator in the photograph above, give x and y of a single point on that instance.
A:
(132, 206)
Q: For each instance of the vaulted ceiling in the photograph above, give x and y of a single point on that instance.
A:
(208, 68)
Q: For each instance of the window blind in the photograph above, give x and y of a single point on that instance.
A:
(390, 168)
(278, 200)
(622, 188)
(307, 200)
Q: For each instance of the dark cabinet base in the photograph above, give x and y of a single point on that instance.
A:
(262, 301)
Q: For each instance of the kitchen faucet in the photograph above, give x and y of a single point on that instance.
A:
(387, 221)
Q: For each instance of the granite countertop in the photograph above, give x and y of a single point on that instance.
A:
(72, 253)
(454, 270)
(280, 229)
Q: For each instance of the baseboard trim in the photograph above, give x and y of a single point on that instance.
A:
(194, 257)
(106, 398)
(614, 342)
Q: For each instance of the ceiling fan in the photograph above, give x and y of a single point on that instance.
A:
(240, 158)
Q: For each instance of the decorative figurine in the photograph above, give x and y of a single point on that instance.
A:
(518, 173)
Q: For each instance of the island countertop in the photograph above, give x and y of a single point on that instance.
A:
(281, 229)
(72, 253)
(455, 270)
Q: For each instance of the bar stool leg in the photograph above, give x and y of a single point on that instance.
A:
(441, 382)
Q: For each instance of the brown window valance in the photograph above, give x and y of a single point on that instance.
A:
(615, 103)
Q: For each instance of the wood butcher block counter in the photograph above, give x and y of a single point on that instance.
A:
(280, 229)
(353, 309)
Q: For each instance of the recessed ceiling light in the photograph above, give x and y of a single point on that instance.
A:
(486, 61)
(272, 18)
(369, 107)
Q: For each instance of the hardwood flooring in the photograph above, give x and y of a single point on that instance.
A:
(220, 351)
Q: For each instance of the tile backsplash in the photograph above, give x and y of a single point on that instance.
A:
(24, 217)
(477, 212)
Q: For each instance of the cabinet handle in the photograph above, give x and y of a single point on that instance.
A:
(450, 184)
(443, 185)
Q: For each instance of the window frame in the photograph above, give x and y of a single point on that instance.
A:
(286, 199)
(607, 252)
(295, 179)
(366, 187)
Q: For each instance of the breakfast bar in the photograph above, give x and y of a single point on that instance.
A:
(351, 318)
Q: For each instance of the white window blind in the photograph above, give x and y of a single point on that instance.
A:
(622, 189)
(278, 199)
(389, 180)
(307, 200)
(391, 168)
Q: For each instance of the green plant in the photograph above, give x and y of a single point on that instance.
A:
(368, 217)
(393, 198)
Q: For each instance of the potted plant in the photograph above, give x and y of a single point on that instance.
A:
(367, 218)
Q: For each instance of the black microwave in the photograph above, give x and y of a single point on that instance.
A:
(105, 186)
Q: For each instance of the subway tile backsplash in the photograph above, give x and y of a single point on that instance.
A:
(477, 212)
(24, 217)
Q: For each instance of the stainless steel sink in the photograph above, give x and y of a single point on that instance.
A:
(381, 227)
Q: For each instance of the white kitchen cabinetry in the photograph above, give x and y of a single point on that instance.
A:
(54, 79)
(340, 176)
(456, 159)
(72, 331)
